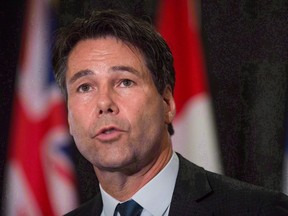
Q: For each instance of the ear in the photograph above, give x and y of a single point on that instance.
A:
(169, 105)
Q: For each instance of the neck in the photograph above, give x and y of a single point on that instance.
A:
(122, 186)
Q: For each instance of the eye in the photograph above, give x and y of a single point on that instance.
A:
(84, 88)
(126, 83)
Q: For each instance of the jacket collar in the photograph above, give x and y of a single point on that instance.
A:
(191, 186)
(95, 206)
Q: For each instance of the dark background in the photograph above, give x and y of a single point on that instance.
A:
(246, 45)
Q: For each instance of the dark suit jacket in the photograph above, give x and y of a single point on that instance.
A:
(199, 192)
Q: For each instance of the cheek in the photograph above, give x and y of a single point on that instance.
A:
(79, 133)
(78, 116)
(74, 127)
(77, 123)
(72, 117)
(71, 122)
(147, 116)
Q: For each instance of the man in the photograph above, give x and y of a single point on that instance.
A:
(118, 78)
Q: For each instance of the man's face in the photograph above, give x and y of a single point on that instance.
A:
(116, 115)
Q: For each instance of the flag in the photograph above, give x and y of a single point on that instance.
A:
(195, 133)
(39, 175)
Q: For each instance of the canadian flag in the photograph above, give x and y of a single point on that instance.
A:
(195, 134)
(39, 174)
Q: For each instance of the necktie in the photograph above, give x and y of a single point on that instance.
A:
(129, 208)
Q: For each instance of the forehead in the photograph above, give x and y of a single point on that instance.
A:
(102, 55)
(105, 48)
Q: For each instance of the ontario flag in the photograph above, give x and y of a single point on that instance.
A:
(195, 133)
(39, 173)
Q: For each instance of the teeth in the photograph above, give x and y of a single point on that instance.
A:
(108, 131)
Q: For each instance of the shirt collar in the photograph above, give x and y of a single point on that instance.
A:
(109, 202)
(155, 197)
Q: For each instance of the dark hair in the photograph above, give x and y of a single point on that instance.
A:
(133, 31)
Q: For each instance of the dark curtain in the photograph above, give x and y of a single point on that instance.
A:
(246, 51)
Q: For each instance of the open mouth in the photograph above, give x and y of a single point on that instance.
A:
(108, 131)
(109, 134)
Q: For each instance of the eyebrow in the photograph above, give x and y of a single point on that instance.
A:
(88, 72)
(80, 74)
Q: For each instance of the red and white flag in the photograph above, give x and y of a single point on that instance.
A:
(39, 174)
(195, 134)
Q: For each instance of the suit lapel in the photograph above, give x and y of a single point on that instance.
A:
(95, 206)
(191, 186)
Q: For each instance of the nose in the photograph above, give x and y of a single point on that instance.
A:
(106, 103)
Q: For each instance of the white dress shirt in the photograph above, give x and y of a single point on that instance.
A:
(155, 197)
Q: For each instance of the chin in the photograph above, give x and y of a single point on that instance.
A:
(115, 164)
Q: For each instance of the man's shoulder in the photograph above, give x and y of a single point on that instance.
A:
(227, 185)
(222, 183)
(248, 196)
(224, 194)
(90, 207)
